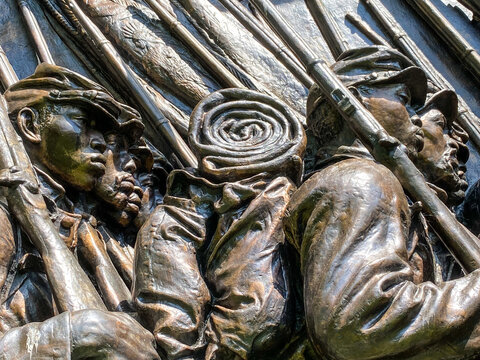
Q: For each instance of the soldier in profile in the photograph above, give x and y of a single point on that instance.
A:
(373, 283)
(61, 117)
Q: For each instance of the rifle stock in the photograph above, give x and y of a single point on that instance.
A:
(385, 149)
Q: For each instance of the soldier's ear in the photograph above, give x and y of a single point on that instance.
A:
(27, 125)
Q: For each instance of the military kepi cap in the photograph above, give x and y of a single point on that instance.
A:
(375, 65)
(60, 85)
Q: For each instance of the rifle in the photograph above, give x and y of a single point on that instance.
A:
(144, 99)
(203, 54)
(70, 285)
(328, 27)
(35, 32)
(365, 29)
(114, 291)
(277, 49)
(454, 40)
(385, 149)
(466, 118)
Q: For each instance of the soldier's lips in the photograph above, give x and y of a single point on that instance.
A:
(420, 139)
(98, 162)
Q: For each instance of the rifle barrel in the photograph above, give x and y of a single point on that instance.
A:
(328, 27)
(35, 32)
(7, 74)
(278, 50)
(365, 29)
(197, 47)
(138, 92)
(447, 32)
(466, 118)
(387, 150)
(70, 285)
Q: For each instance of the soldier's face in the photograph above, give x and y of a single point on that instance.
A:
(438, 159)
(390, 105)
(71, 147)
(118, 188)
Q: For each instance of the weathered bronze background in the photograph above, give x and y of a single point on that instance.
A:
(229, 211)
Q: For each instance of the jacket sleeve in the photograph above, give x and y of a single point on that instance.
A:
(351, 225)
(50, 339)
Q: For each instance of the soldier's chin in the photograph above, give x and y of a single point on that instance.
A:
(455, 198)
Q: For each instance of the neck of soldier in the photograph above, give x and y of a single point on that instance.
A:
(345, 137)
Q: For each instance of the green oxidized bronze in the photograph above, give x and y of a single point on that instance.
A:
(198, 181)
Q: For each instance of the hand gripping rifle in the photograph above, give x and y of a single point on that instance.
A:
(71, 287)
(466, 118)
(385, 149)
(115, 293)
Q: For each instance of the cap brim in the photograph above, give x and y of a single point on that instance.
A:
(446, 101)
(414, 78)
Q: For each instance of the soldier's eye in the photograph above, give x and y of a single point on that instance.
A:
(404, 96)
(110, 139)
(440, 121)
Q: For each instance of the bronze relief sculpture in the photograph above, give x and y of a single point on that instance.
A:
(200, 180)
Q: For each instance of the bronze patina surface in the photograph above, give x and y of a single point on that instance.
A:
(239, 180)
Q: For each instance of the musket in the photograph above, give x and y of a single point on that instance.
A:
(35, 32)
(328, 27)
(116, 295)
(473, 6)
(67, 32)
(226, 77)
(143, 99)
(278, 50)
(386, 150)
(365, 29)
(70, 285)
(466, 118)
(7, 74)
(447, 32)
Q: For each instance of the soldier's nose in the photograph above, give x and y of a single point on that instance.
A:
(130, 166)
(416, 120)
(98, 143)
